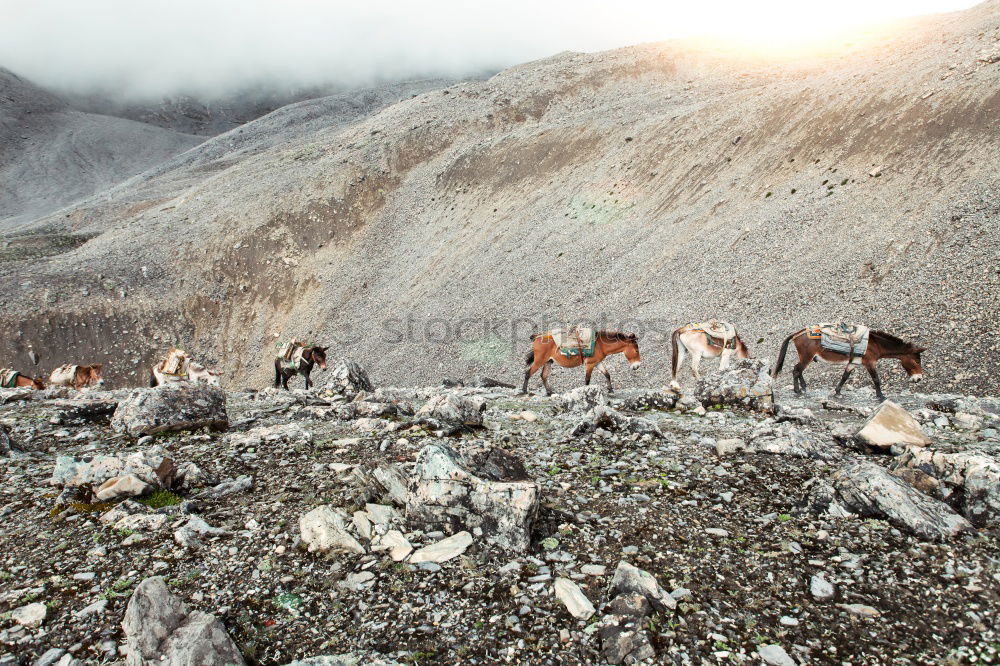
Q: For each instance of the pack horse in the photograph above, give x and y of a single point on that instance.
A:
(712, 338)
(10, 378)
(297, 358)
(578, 346)
(848, 345)
(78, 377)
(179, 367)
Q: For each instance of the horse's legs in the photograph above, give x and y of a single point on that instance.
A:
(607, 375)
(277, 373)
(532, 369)
(546, 369)
(306, 375)
(876, 381)
(799, 382)
(727, 355)
(843, 379)
(695, 363)
(590, 371)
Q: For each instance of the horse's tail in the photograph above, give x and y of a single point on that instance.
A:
(781, 355)
(674, 339)
(152, 379)
(530, 358)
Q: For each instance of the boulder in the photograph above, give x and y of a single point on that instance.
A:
(619, 645)
(453, 409)
(453, 493)
(725, 447)
(31, 615)
(745, 383)
(650, 399)
(891, 425)
(395, 543)
(788, 440)
(6, 443)
(128, 485)
(583, 398)
(177, 406)
(969, 481)
(629, 579)
(283, 433)
(324, 529)
(159, 629)
(573, 598)
(114, 477)
(189, 535)
(775, 655)
(863, 488)
(443, 550)
(348, 378)
(605, 418)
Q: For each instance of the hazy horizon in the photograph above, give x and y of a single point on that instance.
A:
(136, 51)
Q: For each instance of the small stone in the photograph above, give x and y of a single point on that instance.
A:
(775, 655)
(30, 616)
(716, 531)
(576, 602)
(443, 550)
(820, 588)
(860, 610)
(594, 569)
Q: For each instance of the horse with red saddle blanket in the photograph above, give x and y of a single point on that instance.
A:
(848, 345)
(579, 346)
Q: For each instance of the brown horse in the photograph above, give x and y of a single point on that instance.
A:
(698, 340)
(78, 377)
(880, 345)
(14, 379)
(544, 350)
(311, 356)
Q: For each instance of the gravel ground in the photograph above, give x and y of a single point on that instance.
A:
(658, 503)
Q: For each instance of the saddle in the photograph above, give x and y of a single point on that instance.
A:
(575, 341)
(176, 363)
(841, 337)
(8, 377)
(290, 354)
(718, 332)
(64, 374)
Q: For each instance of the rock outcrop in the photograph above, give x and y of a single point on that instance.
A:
(179, 406)
(745, 383)
(969, 481)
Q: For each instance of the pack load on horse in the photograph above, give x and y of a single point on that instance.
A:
(848, 345)
(10, 378)
(79, 377)
(578, 346)
(179, 367)
(297, 358)
(711, 338)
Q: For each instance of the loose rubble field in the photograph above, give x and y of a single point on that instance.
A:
(747, 565)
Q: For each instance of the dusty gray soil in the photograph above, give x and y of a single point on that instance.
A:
(605, 498)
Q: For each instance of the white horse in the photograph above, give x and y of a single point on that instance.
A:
(712, 338)
(187, 370)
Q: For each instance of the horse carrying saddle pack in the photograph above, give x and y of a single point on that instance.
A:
(841, 337)
(290, 353)
(575, 341)
(717, 332)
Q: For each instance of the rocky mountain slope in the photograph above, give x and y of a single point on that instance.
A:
(636, 189)
(432, 525)
(53, 154)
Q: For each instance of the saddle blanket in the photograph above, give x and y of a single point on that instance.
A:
(571, 341)
(175, 366)
(842, 338)
(7, 377)
(720, 330)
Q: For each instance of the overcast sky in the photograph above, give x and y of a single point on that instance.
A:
(137, 48)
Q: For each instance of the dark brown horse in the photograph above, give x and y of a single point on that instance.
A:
(880, 345)
(311, 356)
(544, 350)
(13, 379)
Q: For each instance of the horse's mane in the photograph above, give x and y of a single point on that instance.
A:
(894, 341)
(617, 336)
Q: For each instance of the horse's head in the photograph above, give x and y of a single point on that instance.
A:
(319, 356)
(94, 377)
(911, 363)
(632, 350)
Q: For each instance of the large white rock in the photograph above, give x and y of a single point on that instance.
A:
(454, 409)
(449, 495)
(394, 542)
(745, 383)
(584, 398)
(862, 488)
(967, 480)
(30, 616)
(159, 629)
(891, 425)
(443, 550)
(178, 406)
(128, 485)
(70, 472)
(821, 588)
(576, 602)
(775, 655)
(629, 579)
(349, 378)
(325, 529)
